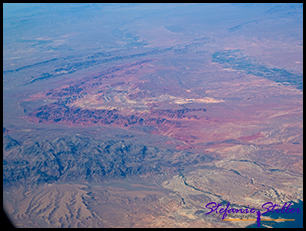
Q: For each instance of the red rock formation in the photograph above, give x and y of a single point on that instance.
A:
(54, 113)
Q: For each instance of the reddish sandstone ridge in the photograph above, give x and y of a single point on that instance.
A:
(54, 113)
(176, 114)
(252, 137)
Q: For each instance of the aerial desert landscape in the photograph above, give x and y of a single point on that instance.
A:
(139, 115)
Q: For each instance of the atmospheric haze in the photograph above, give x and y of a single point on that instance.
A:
(139, 115)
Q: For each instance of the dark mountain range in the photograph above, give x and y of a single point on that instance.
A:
(77, 159)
